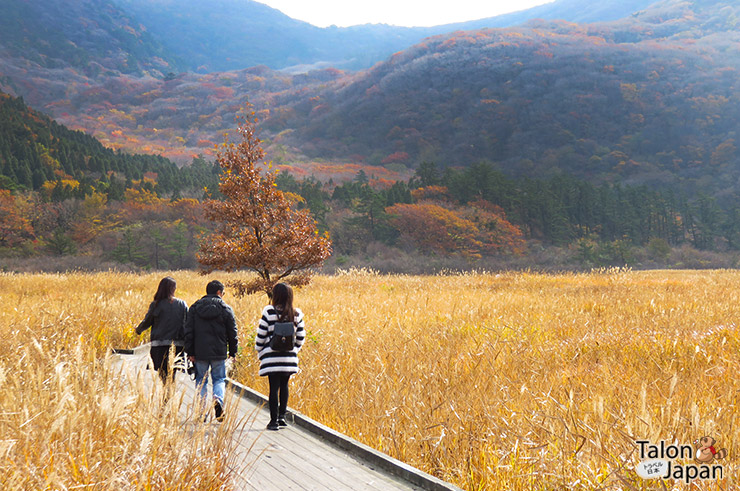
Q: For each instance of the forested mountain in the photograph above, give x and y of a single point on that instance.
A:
(225, 35)
(603, 139)
(650, 99)
(581, 11)
(91, 36)
(63, 193)
(37, 153)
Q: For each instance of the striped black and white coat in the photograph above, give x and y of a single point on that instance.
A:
(277, 361)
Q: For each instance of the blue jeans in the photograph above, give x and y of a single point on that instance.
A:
(218, 378)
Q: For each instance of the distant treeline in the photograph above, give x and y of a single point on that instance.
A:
(558, 210)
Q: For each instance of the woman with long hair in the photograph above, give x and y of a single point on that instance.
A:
(166, 317)
(279, 365)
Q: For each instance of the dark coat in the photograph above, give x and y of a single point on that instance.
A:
(210, 331)
(167, 320)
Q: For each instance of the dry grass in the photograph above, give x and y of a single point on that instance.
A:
(69, 419)
(524, 381)
(511, 381)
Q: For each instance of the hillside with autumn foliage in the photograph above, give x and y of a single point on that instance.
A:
(37, 153)
(65, 197)
(650, 99)
(89, 36)
(552, 144)
(115, 69)
(158, 37)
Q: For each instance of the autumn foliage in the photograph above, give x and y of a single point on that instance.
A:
(14, 228)
(257, 229)
(440, 227)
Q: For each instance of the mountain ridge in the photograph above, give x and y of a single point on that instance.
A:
(278, 41)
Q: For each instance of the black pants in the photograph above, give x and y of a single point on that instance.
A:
(278, 399)
(161, 359)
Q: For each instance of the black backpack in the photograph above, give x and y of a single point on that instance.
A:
(283, 336)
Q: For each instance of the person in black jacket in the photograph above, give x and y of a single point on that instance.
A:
(166, 317)
(211, 335)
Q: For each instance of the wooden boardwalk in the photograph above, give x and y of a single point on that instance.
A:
(304, 456)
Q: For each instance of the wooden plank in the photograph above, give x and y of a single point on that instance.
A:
(291, 458)
(376, 460)
(321, 459)
(293, 448)
(326, 460)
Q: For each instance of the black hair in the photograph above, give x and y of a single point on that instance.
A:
(166, 289)
(214, 287)
(282, 300)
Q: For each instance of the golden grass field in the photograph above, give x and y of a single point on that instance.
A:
(512, 381)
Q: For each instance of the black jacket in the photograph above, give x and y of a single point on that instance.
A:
(167, 320)
(210, 331)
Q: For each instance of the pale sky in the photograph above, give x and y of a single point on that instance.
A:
(409, 13)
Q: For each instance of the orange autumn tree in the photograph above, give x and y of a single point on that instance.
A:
(437, 226)
(256, 227)
(434, 228)
(496, 234)
(14, 227)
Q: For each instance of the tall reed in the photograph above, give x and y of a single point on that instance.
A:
(492, 381)
(71, 417)
(524, 381)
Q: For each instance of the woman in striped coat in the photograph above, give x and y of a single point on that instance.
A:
(278, 366)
